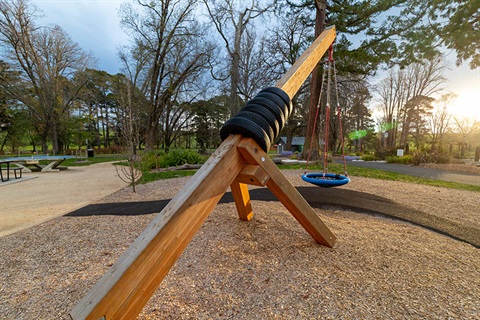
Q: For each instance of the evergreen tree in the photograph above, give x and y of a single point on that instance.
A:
(371, 34)
(457, 24)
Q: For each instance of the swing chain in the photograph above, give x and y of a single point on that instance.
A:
(339, 116)
(329, 66)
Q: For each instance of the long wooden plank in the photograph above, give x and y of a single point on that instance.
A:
(301, 69)
(287, 194)
(126, 287)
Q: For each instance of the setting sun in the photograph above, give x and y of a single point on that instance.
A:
(465, 84)
(467, 104)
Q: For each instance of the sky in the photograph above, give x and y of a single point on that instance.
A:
(95, 26)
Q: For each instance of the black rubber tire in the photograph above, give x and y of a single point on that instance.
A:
(258, 119)
(272, 107)
(246, 128)
(282, 94)
(277, 100)
(267, 115)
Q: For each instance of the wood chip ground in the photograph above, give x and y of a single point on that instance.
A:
(268, 268)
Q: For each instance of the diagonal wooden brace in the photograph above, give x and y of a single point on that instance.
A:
(287, 194)
(127, 286)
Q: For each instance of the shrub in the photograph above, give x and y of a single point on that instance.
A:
(381, 154)
(369, 157)
(425, 157)
(178, 157)
(403, 160)
(150, 160)
(110, 150)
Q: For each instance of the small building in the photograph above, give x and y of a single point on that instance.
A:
(297, 144)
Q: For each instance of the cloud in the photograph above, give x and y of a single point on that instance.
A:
(94, 25)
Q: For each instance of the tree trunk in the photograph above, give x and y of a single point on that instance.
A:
(2, 145)
(235, 67)
(150, 138)
(43, 143)
(151, 132)
(107, 131)
(54, 137)
(315, 87)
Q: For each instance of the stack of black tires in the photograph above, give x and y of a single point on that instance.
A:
(262, 118)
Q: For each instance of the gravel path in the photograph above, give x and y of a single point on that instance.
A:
(39, 197)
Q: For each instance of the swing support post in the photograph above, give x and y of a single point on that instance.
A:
(127, 286)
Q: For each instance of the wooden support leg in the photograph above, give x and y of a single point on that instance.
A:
(242, 200)
(123, 291)
(250, 174)
(287, 194)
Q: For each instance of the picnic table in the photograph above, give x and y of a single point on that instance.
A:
(16, 170)
(27, 163)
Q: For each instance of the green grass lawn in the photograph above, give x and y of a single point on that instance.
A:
(154, 176)
(383, 175)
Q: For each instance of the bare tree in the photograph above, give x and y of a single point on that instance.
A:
(356, 117)
(170, 45)
(466, 127)
(131, 104)
(440, 120)
(256, 70)
(47, 59)
(403, 93)
(176, 119)
(290, 40)
(231, 19)
(129, 101)
(422, 80)
(391, 91)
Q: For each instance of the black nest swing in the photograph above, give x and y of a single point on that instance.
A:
(325, 179)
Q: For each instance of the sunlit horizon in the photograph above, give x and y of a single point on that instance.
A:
(466, 105)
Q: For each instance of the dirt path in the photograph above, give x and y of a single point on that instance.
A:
(44, 196)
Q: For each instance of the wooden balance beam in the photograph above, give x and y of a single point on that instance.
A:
(127, 286)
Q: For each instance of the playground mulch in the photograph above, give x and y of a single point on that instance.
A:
(422, 263)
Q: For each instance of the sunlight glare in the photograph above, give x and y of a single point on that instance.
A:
(467, 105)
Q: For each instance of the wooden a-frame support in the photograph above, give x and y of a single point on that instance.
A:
(127, 286)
